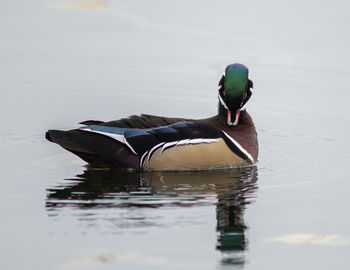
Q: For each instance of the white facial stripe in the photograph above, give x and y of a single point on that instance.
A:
(222, 102)
(229, 122)
(238, 112)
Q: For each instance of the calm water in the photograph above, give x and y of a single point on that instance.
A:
(62, 62)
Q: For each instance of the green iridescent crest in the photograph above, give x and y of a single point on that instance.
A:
(235, 85)
(234, 92)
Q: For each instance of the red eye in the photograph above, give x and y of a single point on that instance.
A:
(245, 95)
(224, 93)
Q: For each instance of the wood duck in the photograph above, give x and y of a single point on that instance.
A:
(156, 143)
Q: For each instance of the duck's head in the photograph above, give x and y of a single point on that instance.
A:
(234, 92)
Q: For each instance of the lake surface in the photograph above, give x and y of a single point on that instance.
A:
(62, 62)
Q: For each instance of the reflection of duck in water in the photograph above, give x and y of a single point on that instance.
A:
(233, 190)
(151, 143)
(230, 221)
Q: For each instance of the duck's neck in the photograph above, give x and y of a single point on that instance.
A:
(228, 118)
(222, 111)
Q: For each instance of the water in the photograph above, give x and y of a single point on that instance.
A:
(62, 62)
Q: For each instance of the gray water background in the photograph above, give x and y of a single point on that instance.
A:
(62, 62)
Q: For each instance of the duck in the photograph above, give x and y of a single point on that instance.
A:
(157, 143)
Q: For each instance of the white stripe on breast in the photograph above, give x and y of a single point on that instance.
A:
(239, 147)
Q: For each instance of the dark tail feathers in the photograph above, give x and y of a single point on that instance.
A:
(96, 149)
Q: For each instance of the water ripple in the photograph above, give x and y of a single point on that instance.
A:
(114, 201)
(300, 157)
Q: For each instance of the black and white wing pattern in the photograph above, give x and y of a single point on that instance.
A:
(180, 146)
